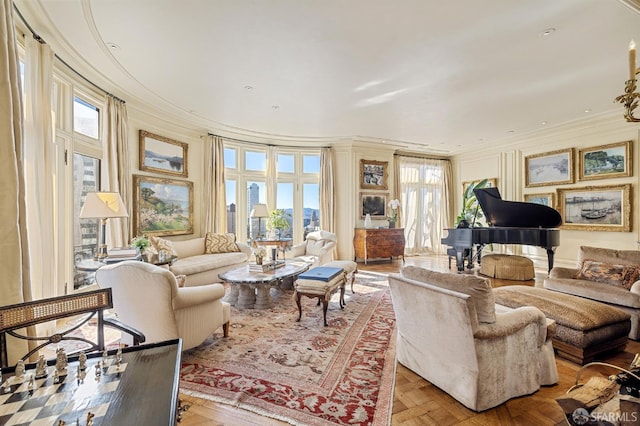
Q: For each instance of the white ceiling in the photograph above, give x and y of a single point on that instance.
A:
(438, 76)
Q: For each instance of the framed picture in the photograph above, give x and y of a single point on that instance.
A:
(605, 161)
(374, 174)
(596, 208)
(547, 199)
(549, 168)
(374, 205)
(162, 206)
(162, 155)
(491, 183)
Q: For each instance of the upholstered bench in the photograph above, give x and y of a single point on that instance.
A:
(507, 267)
(584, 328)
(350, 269)
(318, 286)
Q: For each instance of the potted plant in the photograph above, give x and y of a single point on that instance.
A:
(142, 242)
(470, 205)
(280, 220)
(394, 207)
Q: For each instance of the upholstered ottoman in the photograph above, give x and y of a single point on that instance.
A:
(350, 269)
(584, 328)
(310, 286)
(507, 267)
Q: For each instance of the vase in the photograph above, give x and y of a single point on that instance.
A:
(367, 221)
(258, 260)
(392, 224)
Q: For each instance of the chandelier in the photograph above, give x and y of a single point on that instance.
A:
(630, 97)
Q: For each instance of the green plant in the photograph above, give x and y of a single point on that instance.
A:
(470, 204)
(279, 219)
(142, 242)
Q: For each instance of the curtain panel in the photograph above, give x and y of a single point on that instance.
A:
(327, 191)
(215, 198)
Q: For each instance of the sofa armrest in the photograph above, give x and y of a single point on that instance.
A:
(560, 272)
(508, 323)
(245, 248)
(191, 296)
(298, 249)
(326, 252)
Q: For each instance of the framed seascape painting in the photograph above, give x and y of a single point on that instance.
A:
(374, 174)
(549, 168)
(544, 199)
(596, 208)
(162, 206)
(605, 161)
(162, 155)
(374, 205)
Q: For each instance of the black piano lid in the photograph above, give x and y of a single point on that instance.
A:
(515, 213)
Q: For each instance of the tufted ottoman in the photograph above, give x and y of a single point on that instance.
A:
(507, 267)
(310, 286)
(584, 328)
(350, 269)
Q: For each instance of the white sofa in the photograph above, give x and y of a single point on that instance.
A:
(202, 268)
(451, 332)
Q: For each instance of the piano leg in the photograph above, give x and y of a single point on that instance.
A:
(460, 259)
(550, 253)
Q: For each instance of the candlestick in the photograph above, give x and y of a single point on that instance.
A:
(632, 60)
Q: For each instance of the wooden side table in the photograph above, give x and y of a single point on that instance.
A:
(281, 244)
(371, 243)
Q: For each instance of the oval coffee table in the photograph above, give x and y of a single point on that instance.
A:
(251, 289)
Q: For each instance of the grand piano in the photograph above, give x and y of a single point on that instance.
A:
(511, 222)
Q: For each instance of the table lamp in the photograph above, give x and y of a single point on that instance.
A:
(102, 205)
(259, 211)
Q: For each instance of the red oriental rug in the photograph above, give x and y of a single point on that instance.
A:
(302, 372)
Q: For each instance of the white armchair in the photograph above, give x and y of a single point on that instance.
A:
(148, 298)
(451, 332)
(316, 249)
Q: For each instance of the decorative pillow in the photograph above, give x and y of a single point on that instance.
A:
(162, 244)
(605, 273)
(220, 243)
(314, 247)
(630, 275)
(181, 280)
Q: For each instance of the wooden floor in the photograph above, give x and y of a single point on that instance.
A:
(417, 402)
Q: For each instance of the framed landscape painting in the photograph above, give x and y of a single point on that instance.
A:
(374, 205)
(596, 208)
(162, 206)
(605, 161)
(374, 174)
(162, 155)
(549, 168)
(544, 199)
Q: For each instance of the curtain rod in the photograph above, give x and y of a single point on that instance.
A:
(42, 41)
(418, 156)
(267, 144)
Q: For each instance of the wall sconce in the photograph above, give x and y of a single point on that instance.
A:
(630, 97)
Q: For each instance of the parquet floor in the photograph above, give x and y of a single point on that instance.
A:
(417, 402)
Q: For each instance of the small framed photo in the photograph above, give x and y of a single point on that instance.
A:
(547, 199)
(162, 206)
(374, 174)
(596, 208)
(162, 155)
(549, 168)
(605, 161)
(374, 205)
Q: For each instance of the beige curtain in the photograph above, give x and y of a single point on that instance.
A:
(327, 191)
(15, 286)
(116, 170)
(272, 177)
(425, 208)
(215, 198)
(39, 167)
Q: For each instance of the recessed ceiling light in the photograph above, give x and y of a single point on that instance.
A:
(544, 123)
(587, 110)
(248, 87)
(511, 131)
(113, 46)
(548, 32)
(275, 106)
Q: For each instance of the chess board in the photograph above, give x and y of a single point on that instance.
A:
(68, 398)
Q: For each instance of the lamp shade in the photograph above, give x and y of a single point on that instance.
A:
(260, 210)
(103, 205)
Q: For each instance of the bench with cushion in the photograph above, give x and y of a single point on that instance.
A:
(310, 286)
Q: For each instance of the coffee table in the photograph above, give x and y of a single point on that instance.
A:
(250, 289)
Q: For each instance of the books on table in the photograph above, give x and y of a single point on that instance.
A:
(320, 273)
(266, 266)
(123, 252)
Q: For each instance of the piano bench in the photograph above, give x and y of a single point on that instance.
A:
(585, 329)
(507, 267)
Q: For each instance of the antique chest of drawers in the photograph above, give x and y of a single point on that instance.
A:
(375, 243)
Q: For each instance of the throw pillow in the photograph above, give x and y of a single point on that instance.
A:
(162, 244)
(601, 272)
(220, 243)
(314, 247)
(630, 275)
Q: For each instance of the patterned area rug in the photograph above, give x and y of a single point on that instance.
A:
(302, 372)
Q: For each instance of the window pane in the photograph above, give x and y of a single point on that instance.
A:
(256, 193)
(311, 164)
(286, 163)
(85, 118)
(86, 172)
(256, 161)
(284, 200)
(311, 204)
(230, 189)
(230, 158)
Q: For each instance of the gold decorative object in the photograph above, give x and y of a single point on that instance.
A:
(630, 97)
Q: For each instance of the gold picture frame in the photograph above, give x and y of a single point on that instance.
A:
(374, 174)
(549, 168)
(596, 208)
(162, 206)
(159, 154)
(374, 204)
(546, 199)
(604, 162)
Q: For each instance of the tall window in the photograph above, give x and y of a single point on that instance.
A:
(295, 188)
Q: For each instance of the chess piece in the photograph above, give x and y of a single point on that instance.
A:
(61, 362)
(61, 423)
(82, 361)
(31, 384)
(90, 417)
(19, 369)
(81, 375)
(56, 376)
(119, 355)
(41, 368)
(98, 371)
